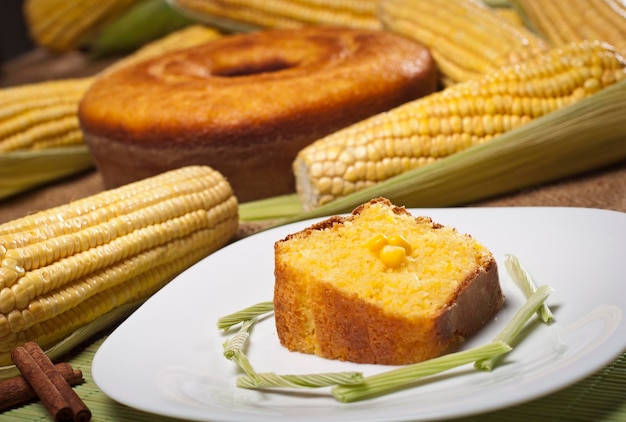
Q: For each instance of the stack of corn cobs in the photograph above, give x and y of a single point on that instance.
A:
(531, 92)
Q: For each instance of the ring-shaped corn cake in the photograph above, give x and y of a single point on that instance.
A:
(246, 104)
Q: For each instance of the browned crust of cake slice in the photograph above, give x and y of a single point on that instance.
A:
(347, 328)
(476, 301)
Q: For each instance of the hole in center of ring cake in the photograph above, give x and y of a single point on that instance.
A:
(254, 68)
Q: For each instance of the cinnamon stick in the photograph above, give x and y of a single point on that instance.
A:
(17, 390)
(80, 411)
(42, 385)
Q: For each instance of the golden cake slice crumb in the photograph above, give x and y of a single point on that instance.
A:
(382, 286)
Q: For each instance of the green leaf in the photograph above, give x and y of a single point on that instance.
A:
(516, 324)
(272, 380)
(145, 22)
(386, 382)
(524, 281)
(251, 312)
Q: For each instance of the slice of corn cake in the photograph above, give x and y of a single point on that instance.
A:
(382, 286)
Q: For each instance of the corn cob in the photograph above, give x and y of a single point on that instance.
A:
(61, 25)
(466, 37)
(244, 15)
(63, 268)
(36, 114)
(511, 15)
(463, 115)
(44, 114)
(564, 22)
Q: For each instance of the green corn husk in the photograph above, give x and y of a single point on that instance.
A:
(583, 136)
(24, 170)
(147, 21)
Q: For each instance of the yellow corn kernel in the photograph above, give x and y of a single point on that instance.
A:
(376, 242)
(64, 267)
(466, 37)
(62, 25)
(74, 137)
(392, 256)
(577, 20)
(458, 117)
(42, 112)
(15, 101)
(36, 116)
(49, 131)
(399, 240)
(254, 14)
(390, 250)
(511, 14)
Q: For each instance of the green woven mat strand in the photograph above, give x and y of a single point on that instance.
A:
(601, 397)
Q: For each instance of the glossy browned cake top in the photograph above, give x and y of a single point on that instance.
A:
(253, 83)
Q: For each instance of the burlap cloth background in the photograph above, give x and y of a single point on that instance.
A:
(604, 188)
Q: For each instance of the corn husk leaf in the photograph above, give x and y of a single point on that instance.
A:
(24, 170)
(147, 21)
(586, 135)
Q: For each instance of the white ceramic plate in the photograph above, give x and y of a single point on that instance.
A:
(167, 358)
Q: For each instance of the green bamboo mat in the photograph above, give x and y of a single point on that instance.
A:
(601, 397)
